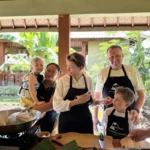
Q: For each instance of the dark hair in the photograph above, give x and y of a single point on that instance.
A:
(57, 66)
(127, 94)
(77, 58)
(114, 47)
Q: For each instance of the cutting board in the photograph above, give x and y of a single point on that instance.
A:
(129, 143)
(84, 141)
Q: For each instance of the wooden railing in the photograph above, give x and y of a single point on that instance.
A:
(8, 79)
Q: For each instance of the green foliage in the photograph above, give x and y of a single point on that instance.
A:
(140, 57)
(42, 44)
(46, 144)
(71, 146)
(37, 43)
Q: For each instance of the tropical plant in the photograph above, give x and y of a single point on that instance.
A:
(140, 57)
(37, 43)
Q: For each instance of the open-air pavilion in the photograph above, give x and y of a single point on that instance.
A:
(67, 15)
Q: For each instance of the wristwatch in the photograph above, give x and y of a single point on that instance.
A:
(136, 110)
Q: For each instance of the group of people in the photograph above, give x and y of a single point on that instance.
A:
(68, 99)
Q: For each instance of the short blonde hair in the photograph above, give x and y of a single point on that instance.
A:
(34, 60)
(127, 94)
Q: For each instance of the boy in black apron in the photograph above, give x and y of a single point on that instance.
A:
(116, 119)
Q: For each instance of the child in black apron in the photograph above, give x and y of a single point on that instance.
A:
(72, 98)
(116, 119)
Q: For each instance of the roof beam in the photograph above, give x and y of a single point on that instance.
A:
(132, 21)
(148, 21)
(25, 25)
(12, 22)
(104, 22)
(79, 20)
(57, 24)
(118, 21)
(35, 23)
(92, 22)
(48, 22)
(0, 25)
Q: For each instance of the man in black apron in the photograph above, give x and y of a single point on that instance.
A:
(78, 118)
(115, 58)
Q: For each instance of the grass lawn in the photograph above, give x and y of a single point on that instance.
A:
(9, 100)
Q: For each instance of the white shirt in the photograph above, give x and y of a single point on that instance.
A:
(108, 111)
(62, 88)
(132, 74)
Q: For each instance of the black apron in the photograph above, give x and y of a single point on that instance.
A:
(78, 118)
(47, 122)
(114, 82)
(117, 127)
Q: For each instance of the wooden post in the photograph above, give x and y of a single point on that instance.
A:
(2, 53)
(63, 41)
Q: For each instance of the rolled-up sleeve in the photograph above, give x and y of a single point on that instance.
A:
(59, 104)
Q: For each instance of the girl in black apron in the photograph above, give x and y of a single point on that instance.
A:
(113, 82)
(78, 118)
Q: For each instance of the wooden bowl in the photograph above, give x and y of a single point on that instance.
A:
(43, 135)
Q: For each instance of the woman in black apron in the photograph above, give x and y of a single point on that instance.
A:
(78, 118)
(45, 92)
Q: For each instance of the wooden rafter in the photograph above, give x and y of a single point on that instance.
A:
(35, 23)
(79, 21)
(104, 22)
(48, 22)
(25, 25)
(148, 21)
(0, 25)
(118, 21)
(92, 22)
(12, 22)
(132, 21)
(57, 24)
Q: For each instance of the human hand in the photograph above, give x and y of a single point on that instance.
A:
(108, 101)
(134, 117)
(95, 123)
(40, 102)
(83, 98)
(139, 135)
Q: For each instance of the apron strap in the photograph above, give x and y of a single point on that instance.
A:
(112, 112)
(126, 115)
(84, 80)
(124, 71)
(109, 72)
(70, 81)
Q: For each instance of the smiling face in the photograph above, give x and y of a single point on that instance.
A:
(51, 73)
(73, 69)
(37, 67)
(115, 58)
(119, 103)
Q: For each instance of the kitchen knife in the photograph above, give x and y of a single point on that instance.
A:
(101, 140)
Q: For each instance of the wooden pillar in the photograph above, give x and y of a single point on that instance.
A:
(63, 41)
(2, 53)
